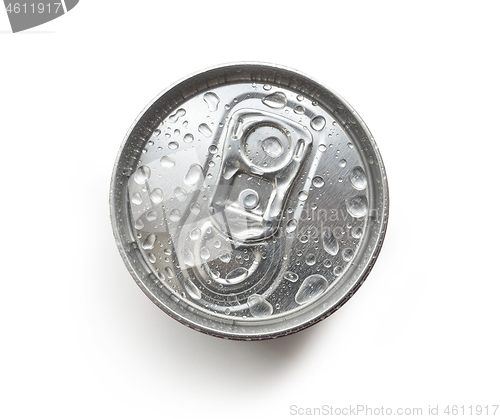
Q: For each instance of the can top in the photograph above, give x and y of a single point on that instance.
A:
(249, 201)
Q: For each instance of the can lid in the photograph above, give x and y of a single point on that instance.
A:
(249, 201)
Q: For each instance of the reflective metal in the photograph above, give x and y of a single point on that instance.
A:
(249, 201)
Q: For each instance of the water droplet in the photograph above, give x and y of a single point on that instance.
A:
(180, 194)
(357, 232)
(213, 149)
(327, 263)
(357, 206)
(149, 242)
(191, 289)
(225, 257)
(290, 276)
(156, 195)
(195, 234)
(312, 287)
(168, 162)
(175, 215)
(330, 243)
(259, 307)
(195, 208)
(188, 138)
(300, 98)
(205, 130)
(337, 270)
(272, 147)
(175, 117)
(303, 195)
(187, 257)
(322, 148)
(139, 224)
(194, 175)
(311, 259)
(151, 257)
(157, 132)
(204, 253)
(358, 178)
(342, 163)
(304, 239)
(299, 110)
(142, 174)
(170, 273)
(136, 198)
(275, 100)
(347, 254)
(267, 87)
(151, 216)
(350, 145)
(212, 100)
(318, 182)
(318, 123)
(237, 275)
(291, 226)
(173, 145)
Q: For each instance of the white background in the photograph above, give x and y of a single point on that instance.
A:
(78, 337)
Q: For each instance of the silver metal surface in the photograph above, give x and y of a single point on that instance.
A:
(249, 201)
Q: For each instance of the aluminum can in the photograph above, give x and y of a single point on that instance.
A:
(249, 201)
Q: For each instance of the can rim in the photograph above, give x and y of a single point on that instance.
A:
(279, 332)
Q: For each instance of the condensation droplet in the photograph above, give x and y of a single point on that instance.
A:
(330, 243)
(237, 275)
(337, 271)
(347, 254)
(194, 175)
(180, 194)
(173, 145)
(139, 224)
(303, 195)
(136, 198)
(195, 234)
(275, 100)
(151, 216)
(175, 215)
(299, 110)
(311, 259)
(318, 182)
(151, 257)
(291, 226)
(212, 100)
(358, 178)
(167, 161)
(290, 276)
(342, 163)
(318, 123)
(169, 272)
(195, 208)
(175, 117)
(357, 232)
(205, 130)
(357, 206)
(267, 87)
(188, 138)
(259, 307)
(142, 174)
(204, 253)
(149, 242)
(322, 148)
(156, 195)
(312, 287)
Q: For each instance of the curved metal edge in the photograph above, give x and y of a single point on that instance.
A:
(277, 334)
